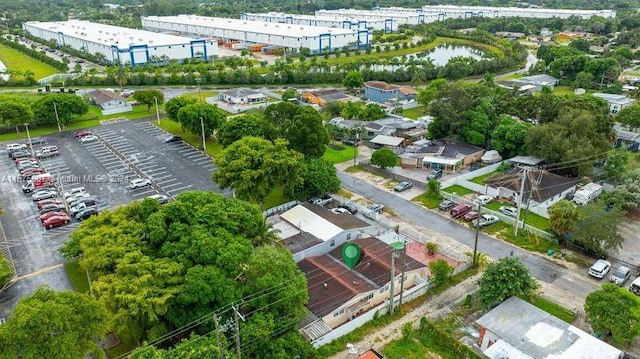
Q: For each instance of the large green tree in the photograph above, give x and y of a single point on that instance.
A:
(353, 80)
(614, 310)
(56, 325)
(597, 228)
(6, 273)
(278, 113)
(67, 106)
(149, 98)
(174, 105)
(630, 117)
(318, 177)
(503, 279)
(563, 217)
(193, 117)
(626, 195)
(253, 167)
(235, 128)
(14, 113)
(509, 137)
(306, 133)
(384, 158)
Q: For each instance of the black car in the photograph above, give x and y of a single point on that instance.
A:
(51, 207)
(351, 143)
(36, 141)
(173, 138)
(86, 213)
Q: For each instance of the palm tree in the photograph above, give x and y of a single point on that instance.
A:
(267, 235)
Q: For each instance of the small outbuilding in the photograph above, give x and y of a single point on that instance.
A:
(109, 102)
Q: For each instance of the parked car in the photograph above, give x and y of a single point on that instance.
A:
(173, 138)
(27, 165)
(81, 133)
(31, 171)
(351, 143)
(446, 205)
(620, 276)
(349, 207)
(47, 152)
(19, 154)
(56, 221)
(82, 206)
(48, 215)
(81, 200)
(460, 210)
(435, 174)
(162, 199)
(376, 207)
(45, 202)
(73, 191)
(43, 194)
(470, 216)
(76, 196)
(509, 211)
(86, 213)
(600, 268)
(339, 210)
(403, 186)
(139, 183)
(482, 200)
(322, 200)
(485, 220)
(88, 138)
(24, 160)
(15, 147)
(36, 141)
(51, 207)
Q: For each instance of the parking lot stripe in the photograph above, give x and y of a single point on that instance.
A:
(177, 190)
(172, 185)
(203, 161)
(160, 178)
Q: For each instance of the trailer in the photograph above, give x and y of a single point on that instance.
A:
(587, 194)
(36, 182)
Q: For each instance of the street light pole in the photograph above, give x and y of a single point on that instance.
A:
(26, 126)
(355, 147)
(204, 143)
(199, 90)
(155, 99)
(55, 109)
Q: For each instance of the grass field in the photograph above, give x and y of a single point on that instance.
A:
(16, 60)
(551, 308)
(457, 189)
(414, 113)
(138, 112)
(213, 147)
(77, 276)
(427, 201)
(335, 156)
(480, 179)
(201, 95)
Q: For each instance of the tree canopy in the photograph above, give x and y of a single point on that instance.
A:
(306, 133)
(563, 217)
(174, 105)
(67, 105)
(253, 166)
(614, 310)
(6, 273)
(160, 267)
(149, 97)
(597, 228)
(503, 279)
(14, 113)
(56, 325)
(193, 117)
(318, 177)
(247, 125)
(626, 195)
(384, 158)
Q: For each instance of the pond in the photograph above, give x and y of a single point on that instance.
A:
(441, 54)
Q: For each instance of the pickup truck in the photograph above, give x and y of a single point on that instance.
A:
(44, 153)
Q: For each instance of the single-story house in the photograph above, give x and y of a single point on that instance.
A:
(338, 294)
(373, 129)
(448, 155)
(382, 92)
(405, 127)
(109, 102)
(349, 125)
(631, 140)
(546, 188)
(518, 330)
(524, 160)
(321, 97)
(538, 81)
(241, 96)
(387, 141)
(510, 35)
(616, 102)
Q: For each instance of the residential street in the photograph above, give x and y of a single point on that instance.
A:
(571, 286)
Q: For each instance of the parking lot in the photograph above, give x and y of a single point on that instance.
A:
(121, 152)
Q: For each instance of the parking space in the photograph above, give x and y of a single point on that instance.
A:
(104, 166)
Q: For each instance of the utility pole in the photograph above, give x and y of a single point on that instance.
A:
(236, 316)
(204, 142)
(157, 111)
(393, 280)
(55, 109)
(526, 213)
(525, 172)
(475, 242)
(404, 258)
(215, 320)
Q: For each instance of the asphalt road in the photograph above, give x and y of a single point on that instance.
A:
(541, 268)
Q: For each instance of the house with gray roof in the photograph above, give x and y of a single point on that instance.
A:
(517, 329)
(446, 154)
(631, 140)
(538, 81)
(616, 102)
(241, 95)
(109, 102)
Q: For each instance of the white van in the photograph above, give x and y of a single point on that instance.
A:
(16, 146)
(635, 286)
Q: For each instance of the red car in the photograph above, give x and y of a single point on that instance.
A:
(45, 202)
(29, 159)
(32, 171)
(470, 216)
(81, 133)
(56, 221)
(48, 215)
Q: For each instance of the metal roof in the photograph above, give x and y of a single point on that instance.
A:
(309, 222)
(338, 18)
(387, 140)
(122, 37)
(262, 27)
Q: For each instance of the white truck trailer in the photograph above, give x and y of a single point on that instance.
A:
(587, 194)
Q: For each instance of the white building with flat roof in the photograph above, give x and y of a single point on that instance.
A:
(408, 17)
(292, 36)
(342, 21)
(121, 45)
(464, 12)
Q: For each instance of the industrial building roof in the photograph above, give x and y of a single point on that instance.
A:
(534, 333)
(263, 27)
(326, 17)
(122, 37)
(381, 14)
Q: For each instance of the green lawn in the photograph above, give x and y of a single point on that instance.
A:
(527, 241)
(414, 113)
(275, 198)
(551, 308)
(77, 276)
(203, 94)
(335, 156)
(530, 218)
(138, 112)
(427, 201)
(213, 147)
(562, 90)
(480, 179)
(16, 60)
(405, 349)
(457, 189)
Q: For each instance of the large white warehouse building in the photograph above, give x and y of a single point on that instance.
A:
(121, 45)
(291, 36)
(452, 11)
(406, 17)
(345, 22)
